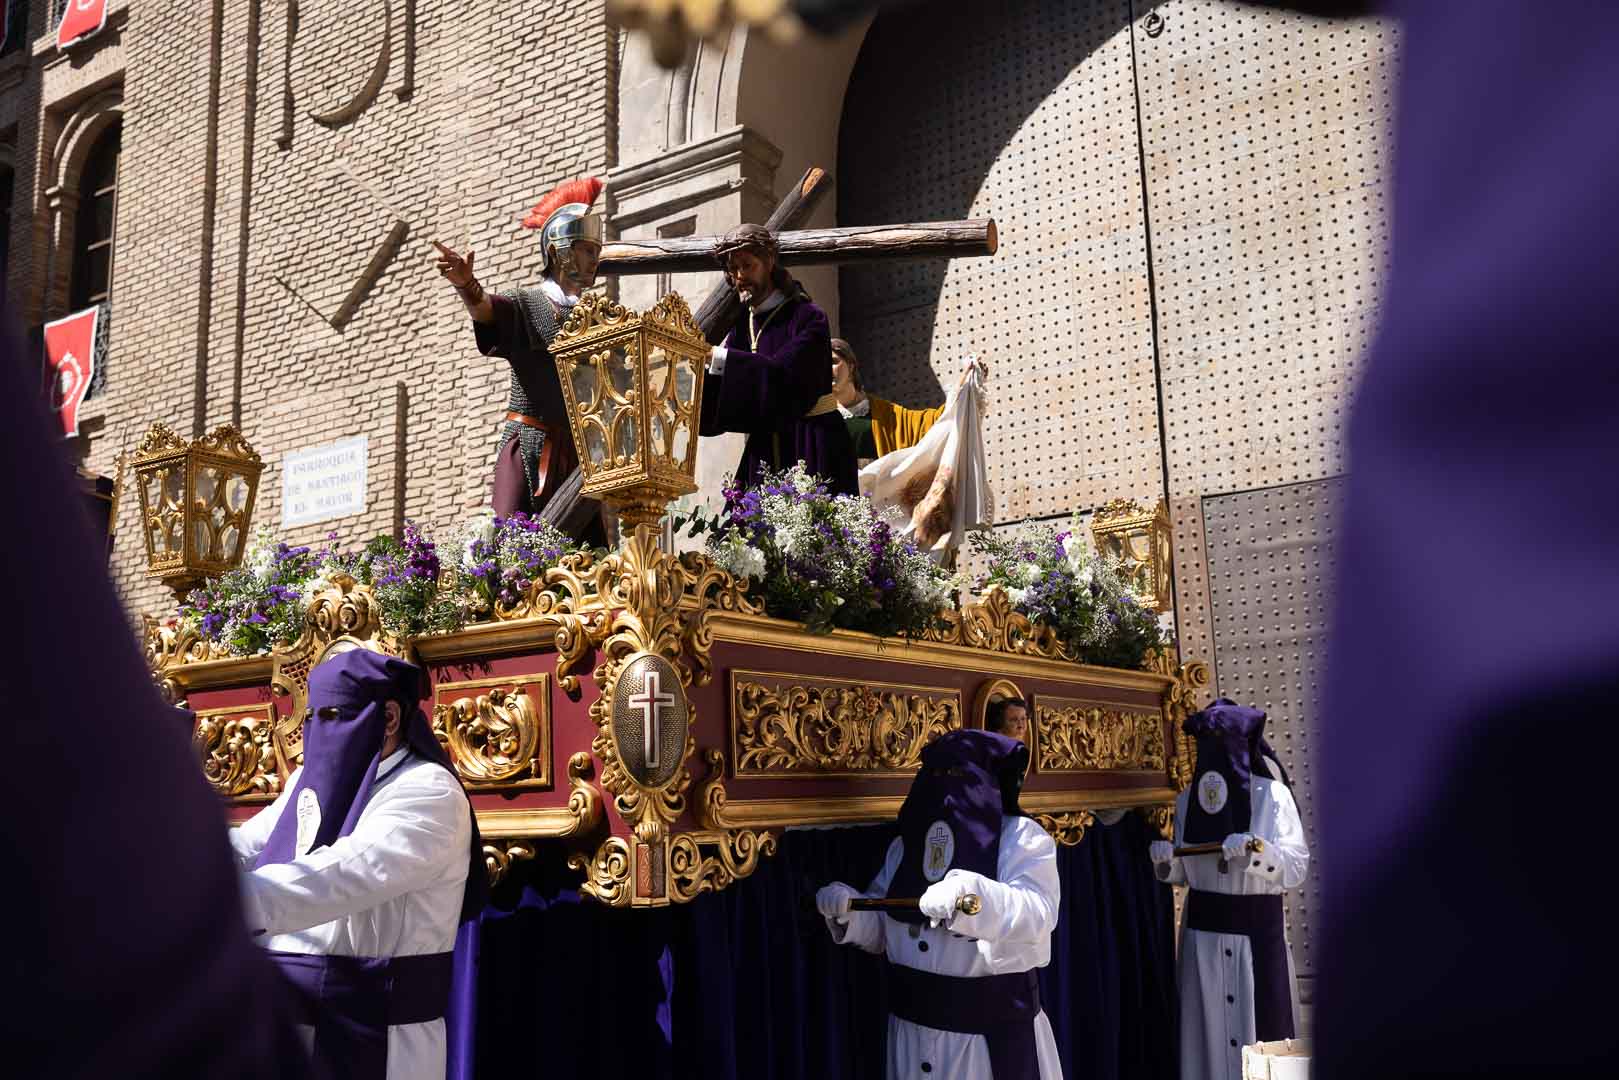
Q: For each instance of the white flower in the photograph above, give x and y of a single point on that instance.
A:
(1029, 573)
(1016, 595)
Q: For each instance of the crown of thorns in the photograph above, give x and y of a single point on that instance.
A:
(745, 238)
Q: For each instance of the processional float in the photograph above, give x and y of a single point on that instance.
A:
(642, 708)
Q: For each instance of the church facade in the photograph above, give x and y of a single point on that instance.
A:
(1189, 197)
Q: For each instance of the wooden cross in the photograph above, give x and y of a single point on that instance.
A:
(651, 701)
(799, 247)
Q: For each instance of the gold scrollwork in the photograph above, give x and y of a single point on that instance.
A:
(736, 855)
(815, 726)
(495, 733)
(235, 747)
(1067, 827)
(608, 871)
(1080, 735)
(992, 622)
(499, 855)
(1160, 817)
(344, 616)
(1181, 700)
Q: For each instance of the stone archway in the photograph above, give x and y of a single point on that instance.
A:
(714, 143)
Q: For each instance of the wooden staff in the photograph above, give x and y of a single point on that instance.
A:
(1255, 846)
(968, 904)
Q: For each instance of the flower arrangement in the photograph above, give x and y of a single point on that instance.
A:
(826, 561)
(1057, 578)
(499, 558)
(260, 605)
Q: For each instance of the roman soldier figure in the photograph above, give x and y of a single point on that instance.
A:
(536, 457)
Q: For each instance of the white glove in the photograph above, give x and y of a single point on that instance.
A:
(1160, 851)
(1235, 846)
(833, 900)
(938, 902)
(716, 359)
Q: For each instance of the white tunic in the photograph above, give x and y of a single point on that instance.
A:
(1216, 970)
(1011, 933)
(392, 887)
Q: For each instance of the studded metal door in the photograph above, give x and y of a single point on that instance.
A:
(1270, 560)
(1026, 115)
(1265, 136)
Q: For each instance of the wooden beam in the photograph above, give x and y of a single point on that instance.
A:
(812, 247)
(719, 309)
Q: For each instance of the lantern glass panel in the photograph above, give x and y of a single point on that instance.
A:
(229, 536)
(207, 483)
(1140, 546)
(173, 487)
(584, 381)
(595, 446)
(237, 492)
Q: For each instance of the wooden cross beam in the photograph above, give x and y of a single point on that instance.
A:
(799, 247)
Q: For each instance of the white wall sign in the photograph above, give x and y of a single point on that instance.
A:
(323, 482)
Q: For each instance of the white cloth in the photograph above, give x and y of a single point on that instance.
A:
(1214, 967)
(1011, 933)
(561, 299)
(859, 408)
(947, 469)
(392, 887)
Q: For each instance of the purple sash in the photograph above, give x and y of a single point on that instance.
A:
(1259, 919)
(1001, 1008)
(351, 1001)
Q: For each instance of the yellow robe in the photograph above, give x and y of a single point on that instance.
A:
(894, 427)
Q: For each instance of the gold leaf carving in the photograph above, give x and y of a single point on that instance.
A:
(607, 871)
(736, 854)
(1181, 700)
(236, 751)
(494, 732)
(818, 726)
(1067, 827)
(498, 856)
(1160, 817)
(991, 622)
(1075, 736)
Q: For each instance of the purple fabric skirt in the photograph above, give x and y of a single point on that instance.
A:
(352, 1001)
(1001, 1008)
(1259, 919)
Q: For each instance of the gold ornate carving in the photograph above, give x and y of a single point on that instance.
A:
(237, 751)
(991, 622)
(496, 732)
(643, 587)
(786, 725)
(608, 871)
(342, 617)
(1074, 736)
(1067, 827)
(1161, 817)
(1181, 699)
(736, 855)
(499, 855)
(159, 439)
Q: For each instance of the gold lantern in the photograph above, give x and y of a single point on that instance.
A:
(1140, 539)
(196, 502)
(634, 388)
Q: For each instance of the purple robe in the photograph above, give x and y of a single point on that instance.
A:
(764, 394)
(128, 955)
(1475, 655)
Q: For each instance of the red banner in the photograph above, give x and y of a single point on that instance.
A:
(81, 19)
(70, 362)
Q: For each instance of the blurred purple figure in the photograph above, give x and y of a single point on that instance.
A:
(1476, 646)
(130, 956)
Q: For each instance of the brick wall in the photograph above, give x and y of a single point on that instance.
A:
(278, 195)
